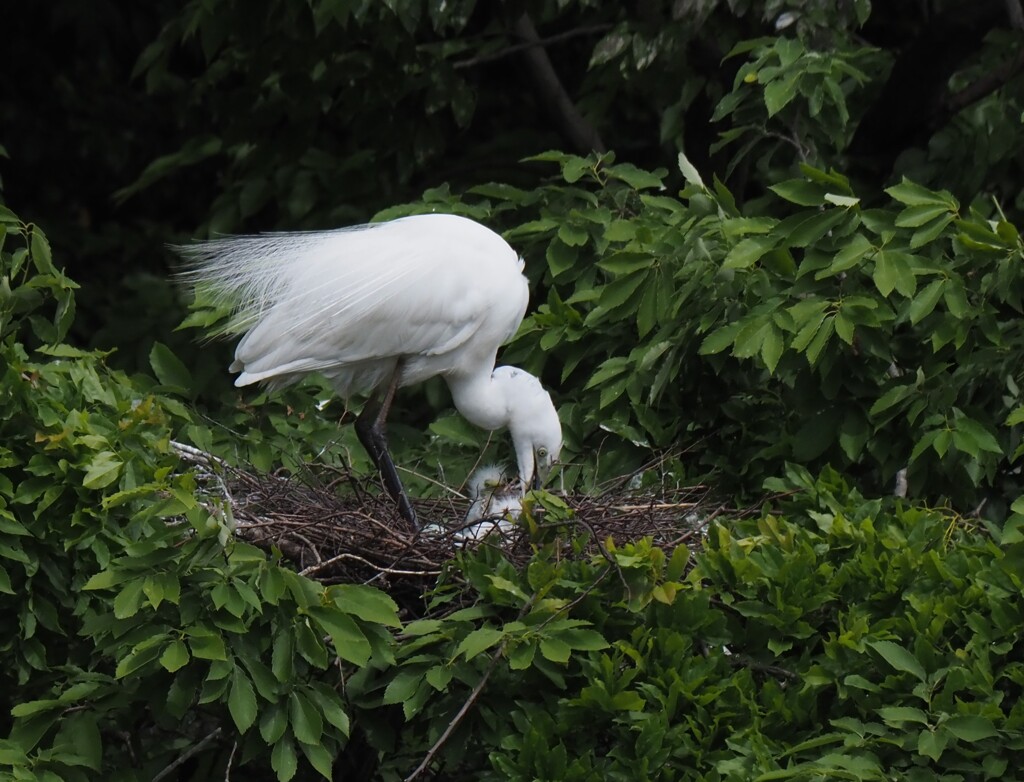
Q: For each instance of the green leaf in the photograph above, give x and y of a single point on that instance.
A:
(560, 256)
(168, 368)
(1015, 417)
(899, 658)
(572, 235)
(932, 744)
(748, 252)
(104, 469)
(284, 760)
(849, 256)
(129, 599)
(555, 650)
(438, 677)
(403, 686)
(105, 579)
(924, 302)
(689, 171)
(811, 229)
(582, 639)
(479, 640)
(971, 727)
(367, 603)
(778, 93)
(350, 642)
(978, 434)
(307, 726)
(208, 647)
(319, 758)
(913, 194)
(273, 723)
(719, 339)
(841, 200)
(800, 191)
(242, 701)
(897, 715)
(636, 178)
(893, 271)
(175, 656)
(521, 656)
(329, 704)
(771, 349)
(282, 654)
(916, 216)
(40, 248)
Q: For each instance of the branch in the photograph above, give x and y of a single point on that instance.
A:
(454, 723)
(519, 47)
(552, 92)
(1016, 14)
(986, 85)
(186, 755)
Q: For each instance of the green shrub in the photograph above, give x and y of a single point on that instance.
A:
(136, 626)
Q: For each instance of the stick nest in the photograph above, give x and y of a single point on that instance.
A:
(337, 527)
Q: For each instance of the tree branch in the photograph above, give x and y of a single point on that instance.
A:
(519, 47)
(1016, 14)
(186, 755)
(583, 136)
(986, 85)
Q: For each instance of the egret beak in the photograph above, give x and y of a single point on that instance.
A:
(540, 474)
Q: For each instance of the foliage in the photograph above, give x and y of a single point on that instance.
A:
(869, 337)
(136, 624)
(839, 637)
(832, 636)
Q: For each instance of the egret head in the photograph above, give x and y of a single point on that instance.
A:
(533, 423)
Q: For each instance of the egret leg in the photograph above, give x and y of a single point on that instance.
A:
(372, 433)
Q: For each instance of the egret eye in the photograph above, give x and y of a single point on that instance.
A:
(542, 452)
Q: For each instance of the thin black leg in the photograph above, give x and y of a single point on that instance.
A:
(372, 432)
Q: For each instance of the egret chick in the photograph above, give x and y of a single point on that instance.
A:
(381, 306)
(493, 507)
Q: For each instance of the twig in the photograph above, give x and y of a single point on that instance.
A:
(604, 553)
(454, 723)
(312, 569)
(186, 755)
(473, 695)
(195, 455)
(231, 760)
(655, 506)
(742, 661)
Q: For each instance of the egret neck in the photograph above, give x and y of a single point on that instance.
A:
(481, 398)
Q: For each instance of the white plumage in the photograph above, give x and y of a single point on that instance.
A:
(381, 306)
(489, 491)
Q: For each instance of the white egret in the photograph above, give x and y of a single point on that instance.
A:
(380, 306)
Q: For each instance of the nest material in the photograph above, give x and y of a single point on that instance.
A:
(355, 535)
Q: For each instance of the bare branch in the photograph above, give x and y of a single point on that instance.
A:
(986, 85)
(1016, 14)
(186, 755)
(519, 47)
(553, 94)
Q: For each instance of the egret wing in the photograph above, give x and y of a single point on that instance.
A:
(321, 301)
